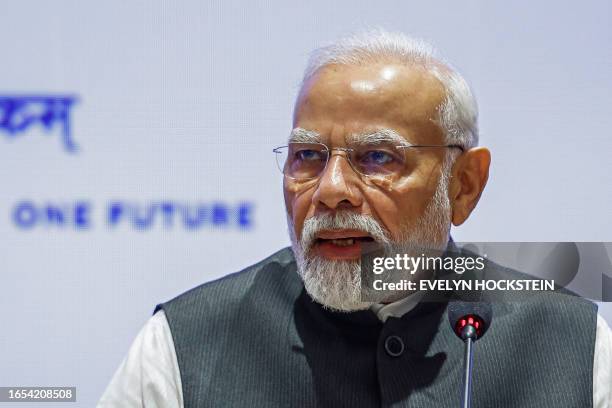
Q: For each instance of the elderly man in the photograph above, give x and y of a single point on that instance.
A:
(383, 150)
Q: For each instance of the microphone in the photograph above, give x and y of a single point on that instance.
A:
(469, 321)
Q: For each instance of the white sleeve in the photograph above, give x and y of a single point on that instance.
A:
(602, 366)
(149, 375)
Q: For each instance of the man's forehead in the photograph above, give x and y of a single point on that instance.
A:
(403, 98)
(383, 81)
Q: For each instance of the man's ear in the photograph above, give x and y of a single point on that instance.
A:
(469, 178)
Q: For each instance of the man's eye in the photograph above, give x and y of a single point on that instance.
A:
(377, 157)
(308, 155)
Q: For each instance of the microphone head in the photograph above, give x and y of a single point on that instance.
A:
(478, 315)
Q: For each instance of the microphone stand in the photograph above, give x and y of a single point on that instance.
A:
(469, 336)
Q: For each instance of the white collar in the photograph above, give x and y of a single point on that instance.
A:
(397, 308)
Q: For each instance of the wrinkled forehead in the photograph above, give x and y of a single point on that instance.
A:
(375, 137)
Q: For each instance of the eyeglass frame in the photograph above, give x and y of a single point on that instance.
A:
(348, 150)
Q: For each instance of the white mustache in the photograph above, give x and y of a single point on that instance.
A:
(341, 220)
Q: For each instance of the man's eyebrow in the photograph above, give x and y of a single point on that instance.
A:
(378, 137)
(300, 135)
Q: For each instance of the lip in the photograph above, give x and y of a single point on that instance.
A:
(327, 249)
(338, 234)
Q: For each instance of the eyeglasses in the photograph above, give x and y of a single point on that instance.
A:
(304, 161)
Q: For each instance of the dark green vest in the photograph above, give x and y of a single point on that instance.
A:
(256, 339)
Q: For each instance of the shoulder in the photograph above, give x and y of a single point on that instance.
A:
(149, 374)
(224, 293)
(561, 308)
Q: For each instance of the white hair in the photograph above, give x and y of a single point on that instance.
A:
(458, 114)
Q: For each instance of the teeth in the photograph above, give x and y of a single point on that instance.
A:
(343, 241)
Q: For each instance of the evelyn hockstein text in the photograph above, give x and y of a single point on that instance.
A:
(453, 285)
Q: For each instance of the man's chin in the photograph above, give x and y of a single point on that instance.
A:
(335, 284)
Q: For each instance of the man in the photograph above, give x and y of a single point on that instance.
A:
(383, 149)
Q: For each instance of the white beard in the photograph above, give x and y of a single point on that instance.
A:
(337, 284)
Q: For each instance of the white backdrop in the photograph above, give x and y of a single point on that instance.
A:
(182, 102)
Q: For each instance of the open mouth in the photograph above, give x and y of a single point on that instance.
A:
(341, 244)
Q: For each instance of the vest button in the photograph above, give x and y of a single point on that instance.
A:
(394, 346)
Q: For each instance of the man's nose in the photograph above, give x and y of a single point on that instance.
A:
(338, 184)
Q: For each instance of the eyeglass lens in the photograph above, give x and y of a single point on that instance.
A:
(308, 160)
